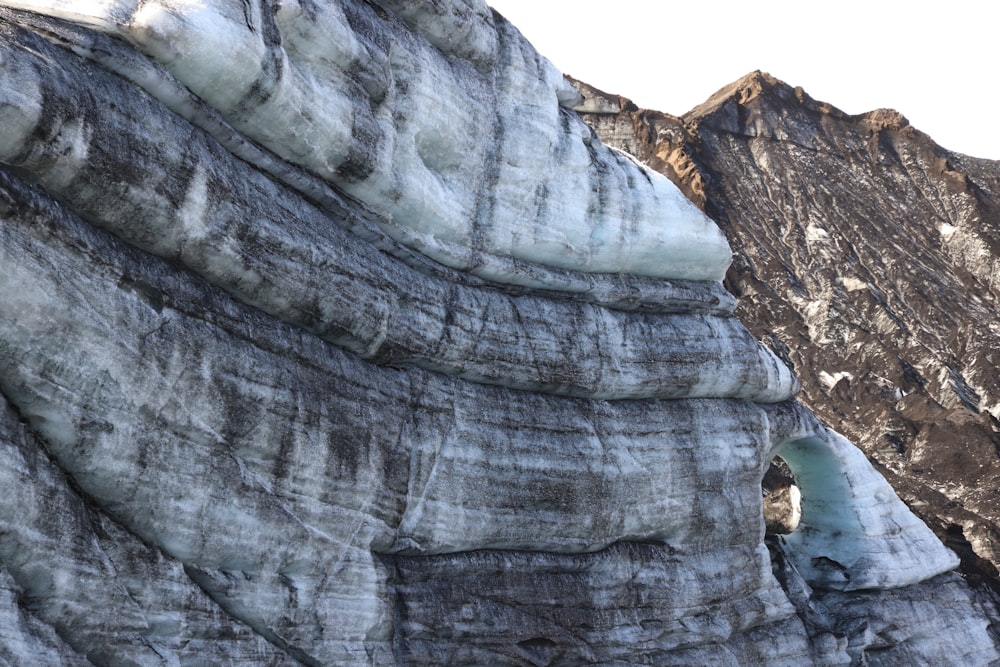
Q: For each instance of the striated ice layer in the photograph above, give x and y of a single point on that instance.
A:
(454, 133)
(156, 607)
(23, 638)
(302, 488)
(229, 223)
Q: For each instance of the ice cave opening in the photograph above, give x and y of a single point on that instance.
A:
(782, 498)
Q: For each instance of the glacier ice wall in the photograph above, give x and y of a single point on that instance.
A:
(328, 336)
(465, 158)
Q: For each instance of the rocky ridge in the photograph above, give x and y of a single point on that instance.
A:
(868, 258)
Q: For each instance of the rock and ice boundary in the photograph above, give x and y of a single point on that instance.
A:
(328, 335)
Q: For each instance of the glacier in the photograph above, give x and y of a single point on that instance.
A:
(330, 335)
(450, 152)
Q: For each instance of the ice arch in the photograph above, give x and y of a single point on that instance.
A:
(854, 533)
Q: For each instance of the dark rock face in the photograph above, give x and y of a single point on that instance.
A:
(867, 257)
(298, 368)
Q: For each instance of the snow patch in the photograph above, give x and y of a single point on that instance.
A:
(830, 380)
(795, 496)
(816, 233)
(947, 230)
(852, 284)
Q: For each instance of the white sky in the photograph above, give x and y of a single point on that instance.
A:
(938, 62)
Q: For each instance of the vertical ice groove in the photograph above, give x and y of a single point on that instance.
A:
(626, 292)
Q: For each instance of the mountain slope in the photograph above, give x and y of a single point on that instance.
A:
(868, 257)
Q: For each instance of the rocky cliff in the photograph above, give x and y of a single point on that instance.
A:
(331, 335)
(868, 258)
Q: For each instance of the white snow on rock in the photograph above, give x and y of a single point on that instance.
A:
(852, 284)
(830, 380)
(816, 233)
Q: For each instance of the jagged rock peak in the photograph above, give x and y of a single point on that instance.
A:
(759, 103)
(759, 84)
(885, 119)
